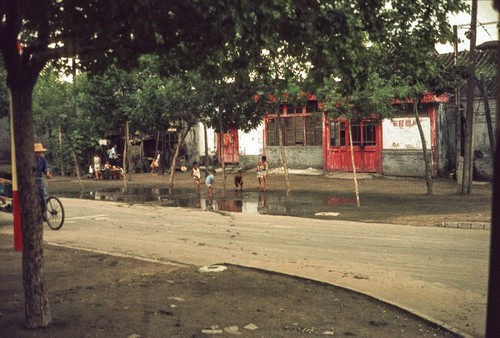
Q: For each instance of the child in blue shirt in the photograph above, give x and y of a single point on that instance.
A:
(209, 182)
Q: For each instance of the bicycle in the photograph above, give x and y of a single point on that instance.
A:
(54, 212)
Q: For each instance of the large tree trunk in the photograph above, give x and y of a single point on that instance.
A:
(37, 308)
(428, 165)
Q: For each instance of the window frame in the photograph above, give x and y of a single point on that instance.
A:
(301, 126)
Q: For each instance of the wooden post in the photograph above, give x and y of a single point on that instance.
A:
(356, 187)
(61, 150)
(222, 150)
(207, 162)
(125, 154)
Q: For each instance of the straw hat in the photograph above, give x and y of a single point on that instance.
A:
(39, 148)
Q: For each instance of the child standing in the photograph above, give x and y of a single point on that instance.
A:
(238, 180)
(265, 169)
(209, 182)
(196, 175)
(260, 169)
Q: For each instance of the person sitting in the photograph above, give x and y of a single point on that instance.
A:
(106, 174)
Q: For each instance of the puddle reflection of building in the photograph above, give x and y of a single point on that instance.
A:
(263, 205)
(330, 200)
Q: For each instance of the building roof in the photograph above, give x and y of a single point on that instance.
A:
(486, 64)
(495, 44)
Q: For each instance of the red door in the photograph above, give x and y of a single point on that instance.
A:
(367, 146)
(231, 146)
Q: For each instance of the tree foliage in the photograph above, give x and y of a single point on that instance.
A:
(329, 38)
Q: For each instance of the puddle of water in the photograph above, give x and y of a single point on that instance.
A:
(302, 204)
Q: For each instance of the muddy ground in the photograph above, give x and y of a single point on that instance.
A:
(94, 295)
(382, 199)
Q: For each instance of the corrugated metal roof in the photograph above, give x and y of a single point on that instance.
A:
(486, 65)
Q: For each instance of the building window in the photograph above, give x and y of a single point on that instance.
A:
(369, 133)
(337, 134)
(299, 128)
(363, 133)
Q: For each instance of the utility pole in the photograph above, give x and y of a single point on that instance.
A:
(469, 119)
(459, 159)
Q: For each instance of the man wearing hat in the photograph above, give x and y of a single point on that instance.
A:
(42, 168)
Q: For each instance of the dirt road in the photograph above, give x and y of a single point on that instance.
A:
(436, 272)
(440, 273)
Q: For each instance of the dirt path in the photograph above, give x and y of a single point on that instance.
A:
(123, 297)
(386, 200)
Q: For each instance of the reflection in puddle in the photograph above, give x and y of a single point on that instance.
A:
(338, 200)
(305, 204)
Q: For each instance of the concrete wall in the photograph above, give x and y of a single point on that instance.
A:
(483, 160)
(445, 140)
(405, 163)
(402, 146)
(402, 133)
(299, 157)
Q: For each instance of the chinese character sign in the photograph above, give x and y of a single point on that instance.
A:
(402, 133)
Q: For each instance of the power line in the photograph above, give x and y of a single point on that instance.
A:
(464, 25)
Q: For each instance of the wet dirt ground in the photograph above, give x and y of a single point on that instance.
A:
(382, 199)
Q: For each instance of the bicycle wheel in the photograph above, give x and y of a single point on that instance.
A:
(54, 213)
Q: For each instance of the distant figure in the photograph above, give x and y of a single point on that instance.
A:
(196, 175)
(112, 155)
(259, 174)
(238, 181)
(155, 165)
(265, 169)
(209, 182)
(262, 168)
(107, 171)
(97, 167)
(42, 169)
